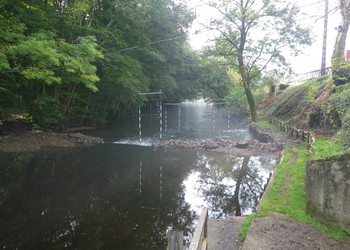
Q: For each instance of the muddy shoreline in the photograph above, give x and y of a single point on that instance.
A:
(24, 141)
(36, 140)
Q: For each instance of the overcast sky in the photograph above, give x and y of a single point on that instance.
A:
(315, 9)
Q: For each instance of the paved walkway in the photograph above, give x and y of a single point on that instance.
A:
(224, 234)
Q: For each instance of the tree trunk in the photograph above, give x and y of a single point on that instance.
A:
(340, 69)
(242, 174)
(251, 103)
(246, 86)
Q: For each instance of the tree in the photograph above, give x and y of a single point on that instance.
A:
(77, 62)
(257, 33)
(340, 69)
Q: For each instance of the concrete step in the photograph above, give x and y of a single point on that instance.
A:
(224, 234)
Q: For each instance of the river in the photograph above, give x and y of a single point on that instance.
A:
(124, 195)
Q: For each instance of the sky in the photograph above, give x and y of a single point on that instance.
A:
(314, 10)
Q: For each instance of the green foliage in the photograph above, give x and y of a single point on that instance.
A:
(85, 61)
(216, 78)
(45, 112)
(237, 102)
(289, 102)
(266, 125)
(238, 45)
(340, 101)
(324, 147)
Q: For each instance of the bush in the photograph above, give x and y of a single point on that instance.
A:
(340, 102)
(237, 101)
(46, 112)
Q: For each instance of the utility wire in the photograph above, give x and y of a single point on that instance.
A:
(158, 41)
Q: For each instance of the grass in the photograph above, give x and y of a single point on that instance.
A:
(287, 194)
(265, 124)
(325, 147)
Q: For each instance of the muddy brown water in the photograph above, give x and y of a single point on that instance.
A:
(122, 194)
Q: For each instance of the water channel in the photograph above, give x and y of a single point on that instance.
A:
(122, 194)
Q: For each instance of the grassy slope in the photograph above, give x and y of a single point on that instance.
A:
(287, 194)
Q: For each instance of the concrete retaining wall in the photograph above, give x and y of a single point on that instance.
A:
(327, 186)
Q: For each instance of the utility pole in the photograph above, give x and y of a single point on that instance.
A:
(324, 47)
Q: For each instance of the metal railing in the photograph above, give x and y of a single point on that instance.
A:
(300, 78)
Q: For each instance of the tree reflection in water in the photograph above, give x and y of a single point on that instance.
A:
(89, 198)
(233, 185)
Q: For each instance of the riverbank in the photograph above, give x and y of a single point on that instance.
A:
(282, 221)
(36, 140)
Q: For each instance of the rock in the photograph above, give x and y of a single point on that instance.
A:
(210, 144)
(242, 145)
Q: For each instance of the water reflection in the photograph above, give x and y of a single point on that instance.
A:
(118, 197)
(125, 196)
(90, 198)
(228, 185)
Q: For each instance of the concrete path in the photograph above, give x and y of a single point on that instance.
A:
(224, 234)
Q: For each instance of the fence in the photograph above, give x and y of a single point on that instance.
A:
(300, 78)
(293, 131)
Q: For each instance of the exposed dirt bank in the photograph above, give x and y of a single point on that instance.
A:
(36, 140)
(278, 231)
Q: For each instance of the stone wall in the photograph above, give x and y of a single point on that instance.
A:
(327, 186)
(259, 135)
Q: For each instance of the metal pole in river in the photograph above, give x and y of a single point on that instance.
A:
(214, 120)
(228, 120)
(161, 182)
(160, 119)
(179, 116)
(166, 120)
(140, 177)
(140, 133)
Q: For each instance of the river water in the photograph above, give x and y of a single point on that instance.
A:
(122, 194)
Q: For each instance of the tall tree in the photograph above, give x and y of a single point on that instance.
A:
(257, 33)
(340, 69)
(85, 61)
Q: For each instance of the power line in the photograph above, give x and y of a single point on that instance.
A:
(158, 41)
(306, 5)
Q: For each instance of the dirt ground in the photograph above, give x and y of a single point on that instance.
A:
(278, 231)
(36, 140)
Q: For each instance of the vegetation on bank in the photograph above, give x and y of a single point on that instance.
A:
(287, 195)
(320, 106)
(65, 63)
